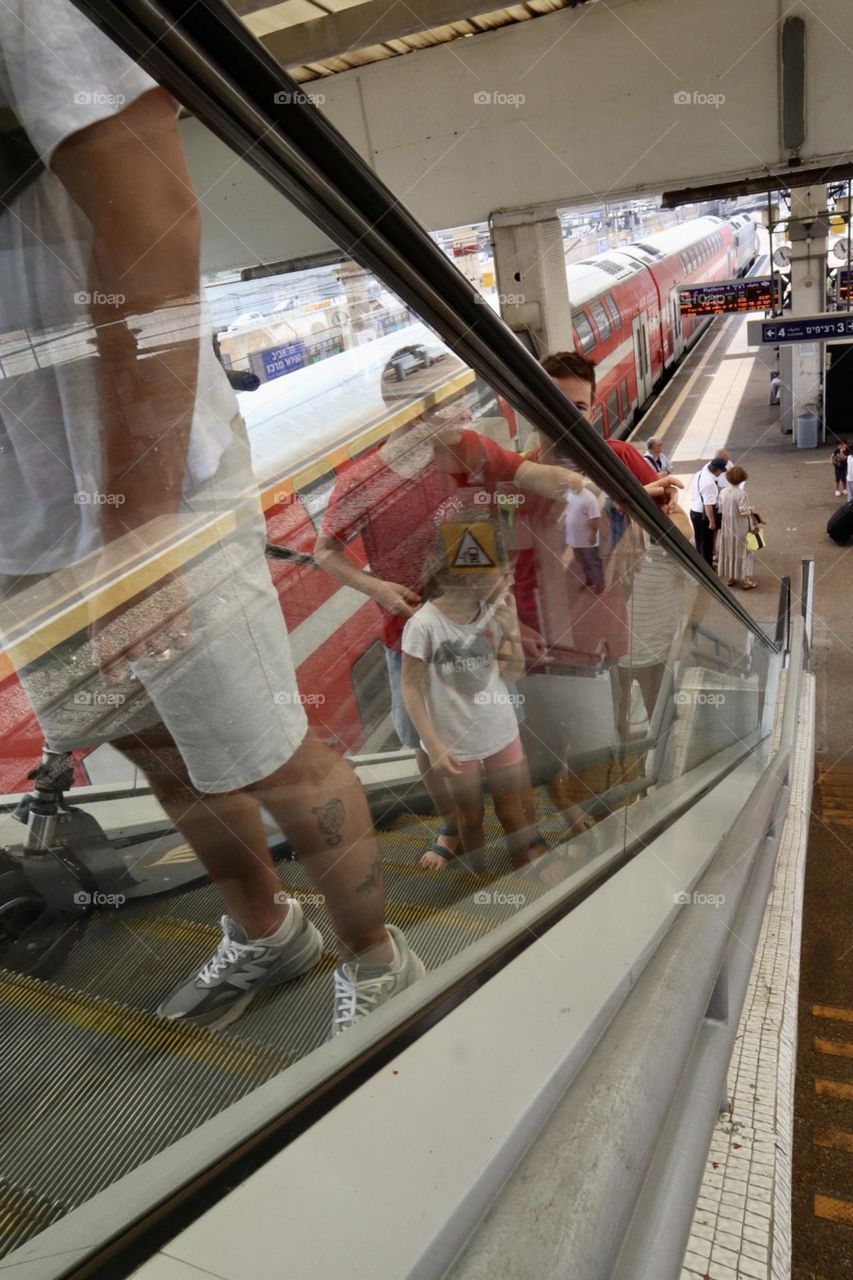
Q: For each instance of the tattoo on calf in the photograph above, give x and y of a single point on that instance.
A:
(373, 879)
(330, 818)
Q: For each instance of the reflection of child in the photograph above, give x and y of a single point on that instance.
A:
(582, 528)
(458, 650)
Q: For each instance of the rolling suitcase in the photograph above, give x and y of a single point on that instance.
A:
(839, 526)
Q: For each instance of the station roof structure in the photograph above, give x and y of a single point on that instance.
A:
(315, 38)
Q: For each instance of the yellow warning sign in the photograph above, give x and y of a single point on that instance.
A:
(471, 547)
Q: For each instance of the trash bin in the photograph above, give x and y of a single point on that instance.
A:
(807, 430)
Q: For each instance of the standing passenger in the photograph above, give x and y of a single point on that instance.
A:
(704, 500)
(656, 457)
(734, 560)
(839, 464)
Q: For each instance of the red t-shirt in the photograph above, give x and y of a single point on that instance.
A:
(634, 461)
(397, 516)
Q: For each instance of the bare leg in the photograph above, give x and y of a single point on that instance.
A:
(318, 801)
(466, 790)
(316, 798)
(571, 813)
(509, 786)
(224, 830)
(444, 808)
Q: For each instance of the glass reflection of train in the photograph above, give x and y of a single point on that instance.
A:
(625, 317)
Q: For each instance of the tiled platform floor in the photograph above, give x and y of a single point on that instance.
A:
(742, 1226)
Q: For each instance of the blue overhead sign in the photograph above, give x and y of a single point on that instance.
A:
(824, 328)
(284, 359)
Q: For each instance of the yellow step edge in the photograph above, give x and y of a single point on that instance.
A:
(834, 1089)
(834, 1139)
(133, 1026)
(829, 1011)
(835, 1048)
(833, 1210)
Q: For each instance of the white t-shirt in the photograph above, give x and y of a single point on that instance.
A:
(704, 490)
(580, 509)
(468, 702)
(850, 468)
(60, 74)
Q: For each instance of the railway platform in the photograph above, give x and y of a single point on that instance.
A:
(797, 1095)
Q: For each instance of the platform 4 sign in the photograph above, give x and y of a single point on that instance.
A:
(830, 327)
(718, 297)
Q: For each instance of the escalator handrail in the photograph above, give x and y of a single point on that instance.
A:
(783, 614)
(217, 69)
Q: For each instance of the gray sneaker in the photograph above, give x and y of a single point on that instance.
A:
(361, 988)
(230, 980)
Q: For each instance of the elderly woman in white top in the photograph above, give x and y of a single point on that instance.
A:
(734, 562)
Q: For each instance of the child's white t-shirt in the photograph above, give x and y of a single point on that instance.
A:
(469, 705)
(580, 509)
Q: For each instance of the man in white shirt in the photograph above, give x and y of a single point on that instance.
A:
(119, 435)
(582, 528)
(704, 493)
(850, 476)
(656, 457)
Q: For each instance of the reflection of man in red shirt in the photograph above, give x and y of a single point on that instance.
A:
(580, 627)
(397, 495)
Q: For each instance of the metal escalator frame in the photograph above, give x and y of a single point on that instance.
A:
(647, 1097)
(208, 59)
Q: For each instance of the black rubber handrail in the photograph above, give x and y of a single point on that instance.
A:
(207, 58)
(783, 615)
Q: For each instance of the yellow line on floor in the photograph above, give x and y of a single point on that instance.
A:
(834, 1210)
(837, 1048)
(834, 1089)
(675, 407)
(131, 1026)
(828, 1011)
(837, 1139)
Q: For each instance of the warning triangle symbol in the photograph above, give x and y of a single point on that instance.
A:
(471, 555)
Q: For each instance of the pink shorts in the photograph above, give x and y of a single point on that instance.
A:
(512, 753)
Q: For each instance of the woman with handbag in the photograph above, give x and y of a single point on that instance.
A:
(734, 557)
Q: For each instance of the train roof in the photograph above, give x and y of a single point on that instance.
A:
(593, 276)
(674, 239)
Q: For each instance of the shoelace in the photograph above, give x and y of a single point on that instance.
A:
(227, 953)
(354, 999)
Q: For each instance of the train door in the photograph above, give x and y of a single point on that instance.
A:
(677, 331)
(642, 364)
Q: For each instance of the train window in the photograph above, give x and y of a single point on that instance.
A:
(612, 403)
(624, 397)
(612, 308)
(598, 421)
(583, 329)
(602, 322)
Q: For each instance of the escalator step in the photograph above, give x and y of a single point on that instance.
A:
(23, 1214)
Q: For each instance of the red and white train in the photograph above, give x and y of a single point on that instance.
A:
(625, 307)
(625, 317)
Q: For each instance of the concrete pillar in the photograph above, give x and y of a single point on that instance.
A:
(530, 268)
(801, 366)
